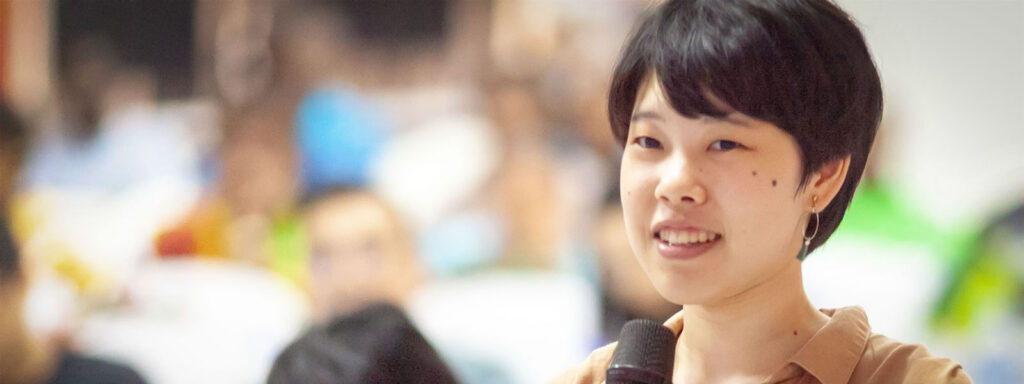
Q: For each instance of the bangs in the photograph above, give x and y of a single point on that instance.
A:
(699, 55)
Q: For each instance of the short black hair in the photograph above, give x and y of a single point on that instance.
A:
(802, 65)
(10, 260)
(377, 344)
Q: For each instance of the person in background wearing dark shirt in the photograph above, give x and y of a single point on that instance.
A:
(24, 359)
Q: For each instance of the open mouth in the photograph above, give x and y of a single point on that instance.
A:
(685, 244)
(686, 238)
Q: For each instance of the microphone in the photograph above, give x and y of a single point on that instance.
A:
(645, 354)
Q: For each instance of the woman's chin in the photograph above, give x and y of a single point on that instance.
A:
(684, 293)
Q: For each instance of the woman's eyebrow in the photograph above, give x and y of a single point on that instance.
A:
(731, 118)
(640, 115)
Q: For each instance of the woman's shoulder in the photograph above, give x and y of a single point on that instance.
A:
(890, 361)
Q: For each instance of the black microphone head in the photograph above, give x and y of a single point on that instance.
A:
(645, 354)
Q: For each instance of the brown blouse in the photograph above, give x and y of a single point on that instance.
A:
(845, 351)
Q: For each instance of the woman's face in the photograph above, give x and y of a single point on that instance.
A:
(711, 205)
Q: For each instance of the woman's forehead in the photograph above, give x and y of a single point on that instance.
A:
(653, 101)
(653, 85)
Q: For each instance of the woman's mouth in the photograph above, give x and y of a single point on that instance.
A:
(685, 244)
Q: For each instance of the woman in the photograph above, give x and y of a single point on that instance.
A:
(746, 125)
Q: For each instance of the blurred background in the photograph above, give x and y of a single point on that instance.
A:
(199, 181)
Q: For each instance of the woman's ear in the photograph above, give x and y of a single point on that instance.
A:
(826, 182)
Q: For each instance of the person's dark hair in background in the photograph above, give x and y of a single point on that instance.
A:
(377, 344)
(800, 65)
(85, 75)
(13, 143)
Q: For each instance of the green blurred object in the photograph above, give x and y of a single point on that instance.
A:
(980, 281)
(989, 283)
(287, 246)
(880, 213)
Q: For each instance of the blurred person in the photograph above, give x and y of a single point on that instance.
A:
(250, 213)
(376, 344)
(103, 175)
(291, 127)
(626, 294)
(553, 176)
(265, 164)
(109, 135)
(529, 204)
(29, 358)
(267, 57)
(26, 358)
(745, 133)
(360, 253)
(525, 187)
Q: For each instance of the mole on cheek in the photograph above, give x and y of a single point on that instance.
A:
(753, 173)
(774, 183)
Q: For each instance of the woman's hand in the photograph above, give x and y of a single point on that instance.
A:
(592, 370)
(675, 323)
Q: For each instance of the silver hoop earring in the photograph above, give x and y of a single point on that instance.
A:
(807, 240)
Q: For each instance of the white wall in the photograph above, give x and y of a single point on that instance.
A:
(953, 76)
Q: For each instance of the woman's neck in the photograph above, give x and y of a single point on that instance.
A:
(749, 336)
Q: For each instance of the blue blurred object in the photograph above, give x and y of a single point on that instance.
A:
(338, 134)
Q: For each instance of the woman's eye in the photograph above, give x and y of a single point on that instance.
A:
(724, 145)
(647, 142)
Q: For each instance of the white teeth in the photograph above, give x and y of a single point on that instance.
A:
(675, 238)
(687, 237)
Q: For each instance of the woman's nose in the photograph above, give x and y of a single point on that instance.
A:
(680, 185)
